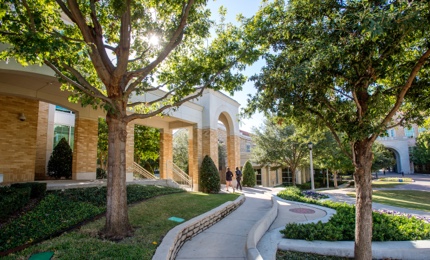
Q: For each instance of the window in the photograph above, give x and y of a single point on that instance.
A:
(65, 131)
(248, 147)
(391, 133)
(421, 129)
(62, 109)
(409, 132)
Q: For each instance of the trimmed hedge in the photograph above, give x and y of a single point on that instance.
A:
(249, 178)
(341, 226)
(13, 199)
(38, 189)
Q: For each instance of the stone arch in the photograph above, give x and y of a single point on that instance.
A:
(401, 153)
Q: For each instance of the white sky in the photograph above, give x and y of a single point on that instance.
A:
(247, 8)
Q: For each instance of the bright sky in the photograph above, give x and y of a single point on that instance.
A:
(247, 8)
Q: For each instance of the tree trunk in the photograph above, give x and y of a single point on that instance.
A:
(363, 211)
(117, 223)
(335, 179)
(293, 176)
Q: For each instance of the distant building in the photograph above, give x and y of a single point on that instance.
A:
(400, 141)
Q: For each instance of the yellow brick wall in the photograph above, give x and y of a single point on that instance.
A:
(18, 138)
(42, 132)
(85, 150)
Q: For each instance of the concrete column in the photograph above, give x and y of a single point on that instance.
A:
(233, 151)
(130, 151)
(194, 155)
(166, 153)
(210, 144)
(85, 150)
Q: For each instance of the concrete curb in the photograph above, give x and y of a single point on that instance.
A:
(330, 212)
(258, 230)
(176, 237)
(412, 250)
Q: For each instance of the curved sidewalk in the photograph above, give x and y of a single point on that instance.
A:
(231, 237)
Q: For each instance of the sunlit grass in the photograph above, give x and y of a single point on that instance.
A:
(149, 219)
(410, 199)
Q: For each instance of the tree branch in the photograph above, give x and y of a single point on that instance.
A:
(406, 87)
(89, 91)
(175, 40)
(30, 16)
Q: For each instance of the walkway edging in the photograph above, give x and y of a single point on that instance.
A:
(176, 237)
(258, 230)
(413, 250)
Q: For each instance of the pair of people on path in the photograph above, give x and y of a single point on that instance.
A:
(229, 179)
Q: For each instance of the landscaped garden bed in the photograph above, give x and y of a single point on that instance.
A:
(386, 227)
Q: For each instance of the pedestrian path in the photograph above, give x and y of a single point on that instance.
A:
(227, 239)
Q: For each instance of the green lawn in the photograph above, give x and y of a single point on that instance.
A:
(386, 184)
(149, 219)
(410, 199)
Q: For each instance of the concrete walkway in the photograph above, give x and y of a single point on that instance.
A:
(230, 238)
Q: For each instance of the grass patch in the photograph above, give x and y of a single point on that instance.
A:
(409, 199)
(293, 255)
(149, 219)
(417, 200)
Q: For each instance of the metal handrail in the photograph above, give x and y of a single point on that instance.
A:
(143, 172)
(184, 178)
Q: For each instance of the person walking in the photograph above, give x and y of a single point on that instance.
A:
(238, 179)
(228, 179)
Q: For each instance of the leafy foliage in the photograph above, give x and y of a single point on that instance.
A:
(341, 226)
(60, 162)
(209, 176)
(102, 52)
(249, 178)
(382, 157)
(61, 210)
(180, 149)
(356, 68)
(421, 152)
(146, 145)
(280, 144)
(13, 199)
(38, 189)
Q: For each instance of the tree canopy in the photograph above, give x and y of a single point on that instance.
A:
(104, 53)
(281, 145)
(356, 68)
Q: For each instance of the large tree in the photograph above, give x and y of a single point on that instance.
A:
(280, 144)
(102, 51)
(357, 67)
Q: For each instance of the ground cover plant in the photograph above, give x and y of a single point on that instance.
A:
(386, 227)
(283, 255)
(149, 220)
(58, 211)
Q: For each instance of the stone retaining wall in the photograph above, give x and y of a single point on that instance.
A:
(177, 236)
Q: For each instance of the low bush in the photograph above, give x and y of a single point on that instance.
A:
(38, 189)
(52, 215)
(341, 226)
(12, 200)
(61, 210)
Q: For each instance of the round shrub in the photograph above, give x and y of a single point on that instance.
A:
(209, 177)
(249, 178)
(60, 162)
